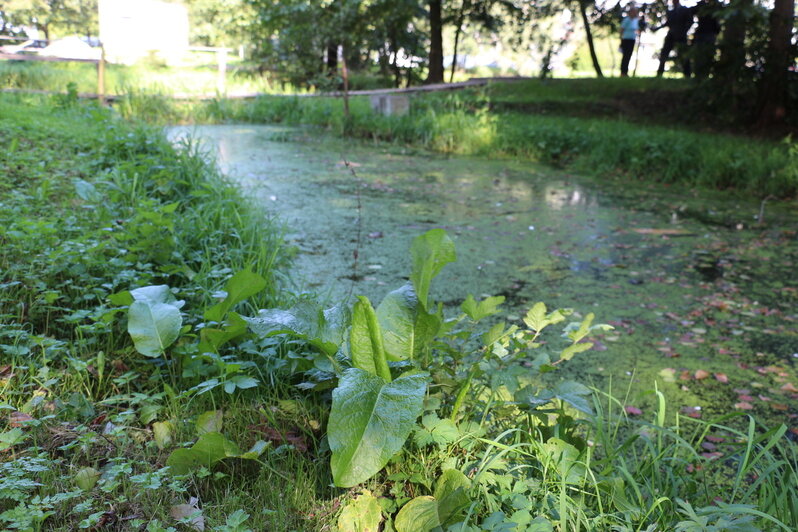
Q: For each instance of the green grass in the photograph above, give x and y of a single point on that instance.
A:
(93, 207)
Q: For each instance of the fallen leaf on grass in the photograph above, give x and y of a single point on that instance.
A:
(632, 410)
(692, 411)
(789, 387)
(189, 514)
(291, 436)
(18, 419)
(721, 377)
(743, 405)
(701, 374)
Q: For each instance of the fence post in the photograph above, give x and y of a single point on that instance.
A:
(101, 76)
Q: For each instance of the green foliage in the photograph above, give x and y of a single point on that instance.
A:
(461, 423)
(369, 422)
(154, 320)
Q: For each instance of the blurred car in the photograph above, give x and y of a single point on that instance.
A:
(72, 47)
(31, 46)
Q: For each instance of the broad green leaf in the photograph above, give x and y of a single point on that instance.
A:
(153, 326)
(370, 421)
(564, 458)
(397, 316)
(365, 341)
(242, 382)
(361, 514)
(239, 287)
(86, 191)
(209, 449)
(482, 309)
(163, 433)
(418, 515)
(155, 294)
(407, 329)
(212, 338)
(210, 421)
(323, 329)
(87, 478)
(575, 394)
(431, 252)
(451, 493)
(122, 299)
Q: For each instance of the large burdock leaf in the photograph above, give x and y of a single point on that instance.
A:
(323, 329)
(370, 421)
(406, 327)
(154, 320)
(431, 252)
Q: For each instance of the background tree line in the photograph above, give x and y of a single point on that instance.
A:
(402, 41)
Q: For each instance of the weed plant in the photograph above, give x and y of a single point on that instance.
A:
(141, 390)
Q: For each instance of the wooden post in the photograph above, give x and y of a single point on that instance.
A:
(101, 76)
(221, 55)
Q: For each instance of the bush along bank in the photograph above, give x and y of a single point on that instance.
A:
(595, 146)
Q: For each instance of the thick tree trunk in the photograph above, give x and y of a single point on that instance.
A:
(589, 35)
(435, 74)
(773, 86)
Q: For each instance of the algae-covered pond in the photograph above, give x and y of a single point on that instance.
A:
(704, 299)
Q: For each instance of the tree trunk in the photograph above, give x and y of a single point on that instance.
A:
(732, 45)
(435, 74)
(589, 35)
(457, 32)
(397, 71)
(773, 86)
(332, 58)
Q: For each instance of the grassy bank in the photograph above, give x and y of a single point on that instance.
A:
(474, 124)
(142, 389)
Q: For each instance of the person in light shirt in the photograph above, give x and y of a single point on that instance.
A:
(630, 30)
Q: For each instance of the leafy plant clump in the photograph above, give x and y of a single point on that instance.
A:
(446, 424)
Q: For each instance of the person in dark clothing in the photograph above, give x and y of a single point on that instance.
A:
(630, 30)
(678, 21)
(705, 36)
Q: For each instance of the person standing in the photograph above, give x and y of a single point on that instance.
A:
(678, 20)
(705, 36)
(630, 30)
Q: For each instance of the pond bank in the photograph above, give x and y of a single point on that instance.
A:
(702, 298)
